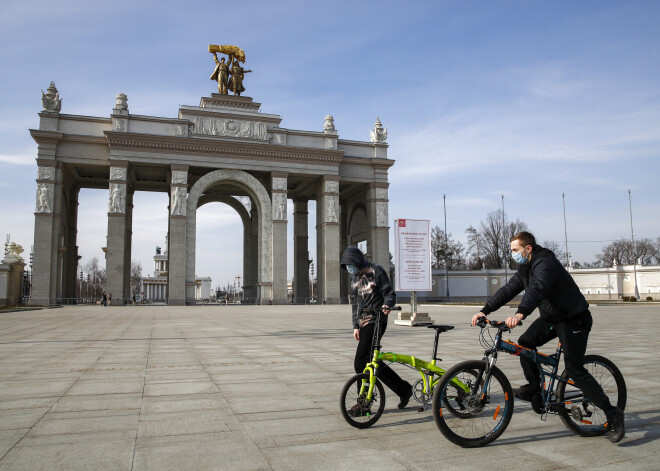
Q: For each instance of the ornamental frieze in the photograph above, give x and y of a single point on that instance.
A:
(222, 127)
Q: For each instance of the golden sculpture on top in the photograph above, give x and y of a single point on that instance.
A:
(229, 74)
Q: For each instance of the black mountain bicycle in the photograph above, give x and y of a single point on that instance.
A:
(477, 417)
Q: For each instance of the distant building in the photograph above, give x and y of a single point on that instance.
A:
(154, 288)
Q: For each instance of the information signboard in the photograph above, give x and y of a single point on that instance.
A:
(412, 247)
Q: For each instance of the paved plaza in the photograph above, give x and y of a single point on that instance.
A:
(257, 388)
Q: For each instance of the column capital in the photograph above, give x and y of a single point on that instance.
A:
(118, 163)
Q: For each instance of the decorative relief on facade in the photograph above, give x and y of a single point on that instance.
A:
(210, 126)
(279, 207)
(45, 198)
(279, 139)
(378, 134)
(51, 100)
(180, 130)
(332, 209)
(117, 202)
(332, 187)
(120, 125)
(46, 173)
(178, 203)
(279, 184)
(117, 173)
(381, 214)
(330, 143)
(179, 177)
(381, 193)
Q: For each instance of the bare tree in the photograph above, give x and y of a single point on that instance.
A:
(557, 248)
(622, 251)
(488, 245)
(446, 249)
(94, 279)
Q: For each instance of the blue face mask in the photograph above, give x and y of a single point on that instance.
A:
(352, 269)
(518, 257)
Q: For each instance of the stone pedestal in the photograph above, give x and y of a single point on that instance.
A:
(179, 289)
(411, 319)
(11, 279)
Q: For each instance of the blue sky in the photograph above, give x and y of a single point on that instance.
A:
(527, 99)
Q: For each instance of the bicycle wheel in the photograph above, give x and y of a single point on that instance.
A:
(355, 408)
(582, 416)
(476, 418)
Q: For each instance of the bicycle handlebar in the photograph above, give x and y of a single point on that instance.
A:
(501, 325)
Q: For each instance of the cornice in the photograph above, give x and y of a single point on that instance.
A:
(217, 147)
(46, 136)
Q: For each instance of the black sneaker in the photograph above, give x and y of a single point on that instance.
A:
(616, 425)
(526, 392)
(405, 398)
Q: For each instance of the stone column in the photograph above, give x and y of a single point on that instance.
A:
(279, 199)
(116, 266)
(47, 225)
(71, 254)
(300, 251)
(328, 239)
(379, 230)
(344, 282)
(179, 289)
(254, 250)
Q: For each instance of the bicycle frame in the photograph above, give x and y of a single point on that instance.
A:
(427, 370)
(548, 367)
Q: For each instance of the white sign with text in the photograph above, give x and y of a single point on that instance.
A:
(412, 248)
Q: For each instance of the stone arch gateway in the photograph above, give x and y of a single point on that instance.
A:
(224, 150)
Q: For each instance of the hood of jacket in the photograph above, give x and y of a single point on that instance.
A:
(354, 256)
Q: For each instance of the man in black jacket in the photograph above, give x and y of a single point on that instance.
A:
(564, 314)
(371, 292)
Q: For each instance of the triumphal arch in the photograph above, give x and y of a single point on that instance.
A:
(223, 150)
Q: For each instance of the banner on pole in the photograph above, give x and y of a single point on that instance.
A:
(412, 247)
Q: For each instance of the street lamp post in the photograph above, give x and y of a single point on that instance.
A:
(444, 204)
(632, 236)
(81, 280)
(504, 248)
(563, 199)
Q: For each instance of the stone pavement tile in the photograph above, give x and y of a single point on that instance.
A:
(271, 388)
(254, 405)
(182, 375)
(187, 423)
(20, 418)
(102, 454)
(332, 456)
(82, 423)
(65, 438)
(233, 451)
(183, 403)
(169, 389)
(297, 426)
(33, 388)
(27, 402)
(98, 402)
(123, 386)
(9, 438)
(269, 414)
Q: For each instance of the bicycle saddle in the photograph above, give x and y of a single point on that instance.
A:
(440, 328)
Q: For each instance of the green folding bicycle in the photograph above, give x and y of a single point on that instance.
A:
(362, 398)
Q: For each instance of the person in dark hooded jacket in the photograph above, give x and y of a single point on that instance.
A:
(371, 291)
(564, 313)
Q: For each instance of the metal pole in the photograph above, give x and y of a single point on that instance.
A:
(632, 236)
(444, 204)
(504, 248)
(563, 199)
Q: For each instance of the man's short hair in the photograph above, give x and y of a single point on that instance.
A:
(525, 238)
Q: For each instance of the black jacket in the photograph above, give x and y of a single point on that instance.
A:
(547, 285)
(370, 290)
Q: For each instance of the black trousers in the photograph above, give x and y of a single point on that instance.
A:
(364, 354)
(573, 334)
